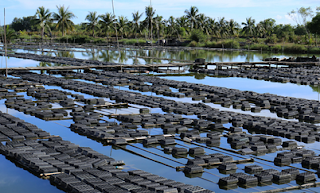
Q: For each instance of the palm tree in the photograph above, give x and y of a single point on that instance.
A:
(136, 17)
(202, 23)
(249, 26)
(182, 22)
(268, 25)
(171, 26)
(107, 22)
(93, 19)
(222, 27)
(210, 26)
(159, 24)
(63, 18)
(122, 25)
(10, 34)
(260, 31)
(43, 19)
(232, 27)
(149, 17)
(192, 15)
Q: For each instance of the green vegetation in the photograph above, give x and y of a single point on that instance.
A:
(192, 29)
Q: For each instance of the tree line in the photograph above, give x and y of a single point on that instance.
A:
(192, 24)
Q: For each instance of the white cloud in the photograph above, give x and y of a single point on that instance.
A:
(288, 17)
(279, 17)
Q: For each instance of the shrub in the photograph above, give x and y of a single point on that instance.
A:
(264, 47)
(314, 50)
(276, 48)
(197, 35)
(295, 49)
(210, 44)
(192, 44)
(231, 44)
(223, 44)
(182, 31)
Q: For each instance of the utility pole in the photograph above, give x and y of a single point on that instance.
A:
(5, 41)
(115, 25)
(117, 36)
(151, 23)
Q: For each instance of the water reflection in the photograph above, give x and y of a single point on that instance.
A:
(156, 55)
(108, 56)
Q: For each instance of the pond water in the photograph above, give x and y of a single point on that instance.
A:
(15, 179)
(137, 56)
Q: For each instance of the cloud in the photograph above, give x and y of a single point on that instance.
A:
(288, 17)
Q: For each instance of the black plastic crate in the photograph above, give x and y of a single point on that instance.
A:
(306, 177)
(253, 169)
(226, 181)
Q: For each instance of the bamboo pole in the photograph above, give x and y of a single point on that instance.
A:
(115, 27)
(5, 41)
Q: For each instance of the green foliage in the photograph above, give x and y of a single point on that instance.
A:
(314, 50)
(25, 23)
(35, 36)
(197, 35)
(182, 31)
(10, 34)
(132, 41)
(63, 18)
(80, 39)
(23, 35)
(300, 30)
(231, 44)
(223, 44)
(263, 47)
(295, 49)
(192, 44)
(314, 25)
(276, 48)
(272, 39)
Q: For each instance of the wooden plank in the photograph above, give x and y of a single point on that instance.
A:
(49, 174)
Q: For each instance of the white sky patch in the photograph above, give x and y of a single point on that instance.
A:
(288, 17)
(279, 17)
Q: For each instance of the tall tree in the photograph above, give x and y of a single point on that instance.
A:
(159, 24)
(182, 22)
(314, 25)
(107, 22)
(172, 29)
(63, 18)
(268, 26)
(25, 23)
(201, 22)
(149, 17)
(192, 15)
(136, 24)
(222, 27)
(232, 28)
(122, 25)
(249, 26)
(93, 20)
(43, 19)
(301, 15)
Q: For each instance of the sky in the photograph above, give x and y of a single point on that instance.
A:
(238, 10)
